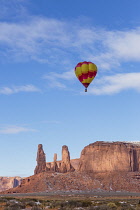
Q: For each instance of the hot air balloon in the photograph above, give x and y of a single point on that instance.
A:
(86, 72)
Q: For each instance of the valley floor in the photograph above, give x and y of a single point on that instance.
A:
(73, 200)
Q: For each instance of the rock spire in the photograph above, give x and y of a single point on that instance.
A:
(41, 160)
(55, 167)
(65, 163)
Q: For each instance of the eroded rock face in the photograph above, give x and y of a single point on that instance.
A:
(107, 156)
(65, 163)
(9, 182)
(74, 163)
(41, 160)
(55, 166)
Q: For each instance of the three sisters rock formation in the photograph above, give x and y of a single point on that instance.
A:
(62, 166)
(96, 157)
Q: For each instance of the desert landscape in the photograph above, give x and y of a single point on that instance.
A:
(70, 104)
(106, 176)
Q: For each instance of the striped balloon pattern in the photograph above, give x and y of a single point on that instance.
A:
(86, 72)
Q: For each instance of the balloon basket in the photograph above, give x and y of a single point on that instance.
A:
(85, 89)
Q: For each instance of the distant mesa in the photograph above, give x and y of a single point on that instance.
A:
(9, 182)
(106, 156)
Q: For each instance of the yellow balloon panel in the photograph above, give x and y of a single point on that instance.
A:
(85, 81)
(92, 67)
(85, 68)
(89, 80)
(78, 71)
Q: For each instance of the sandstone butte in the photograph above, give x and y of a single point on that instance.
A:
(111, 166)
(9, 182)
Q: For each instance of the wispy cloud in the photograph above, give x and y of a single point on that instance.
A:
(56, 80)
(43, 122)
(62, 44)
(17, 89)
(15, 130)
(114, 84)
(13, 9)
(56, 42)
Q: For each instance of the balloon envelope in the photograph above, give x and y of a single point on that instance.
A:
(86, 72)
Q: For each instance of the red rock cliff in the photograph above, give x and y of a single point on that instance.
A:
(107, 156)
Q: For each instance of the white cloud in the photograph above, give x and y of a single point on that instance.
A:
(15, 130)
(57, 80)
(33, 39)
(17, 89)
(54, 82)
(125, 44)
(54, 41)
(68, 75)
(62, 43)
(114, 84)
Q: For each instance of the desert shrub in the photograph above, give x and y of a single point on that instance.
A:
(54, 204)
(34, 199)
(86, 203)
(126, 206)
(65, 204)
(12, 205)
(30, 203)
(137, 207)
(112, 205)
(7, 198)
(36, 208)
(73, 203)
(102, 207)
(43, 204)
(91, 208)
(117, 203)
(16, 207)
(26, 200)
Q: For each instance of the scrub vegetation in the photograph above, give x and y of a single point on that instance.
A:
(10, 203)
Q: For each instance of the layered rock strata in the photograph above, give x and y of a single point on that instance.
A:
(107, 156)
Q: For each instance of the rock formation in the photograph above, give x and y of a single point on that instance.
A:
(65, 163)
(55, 166)
(41, 160)
(61, 166)
(110, 166)
(97, 157)
(9, 182)
(74, 163)
(107, 156)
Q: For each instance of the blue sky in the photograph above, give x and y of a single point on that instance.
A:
(41, 100)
